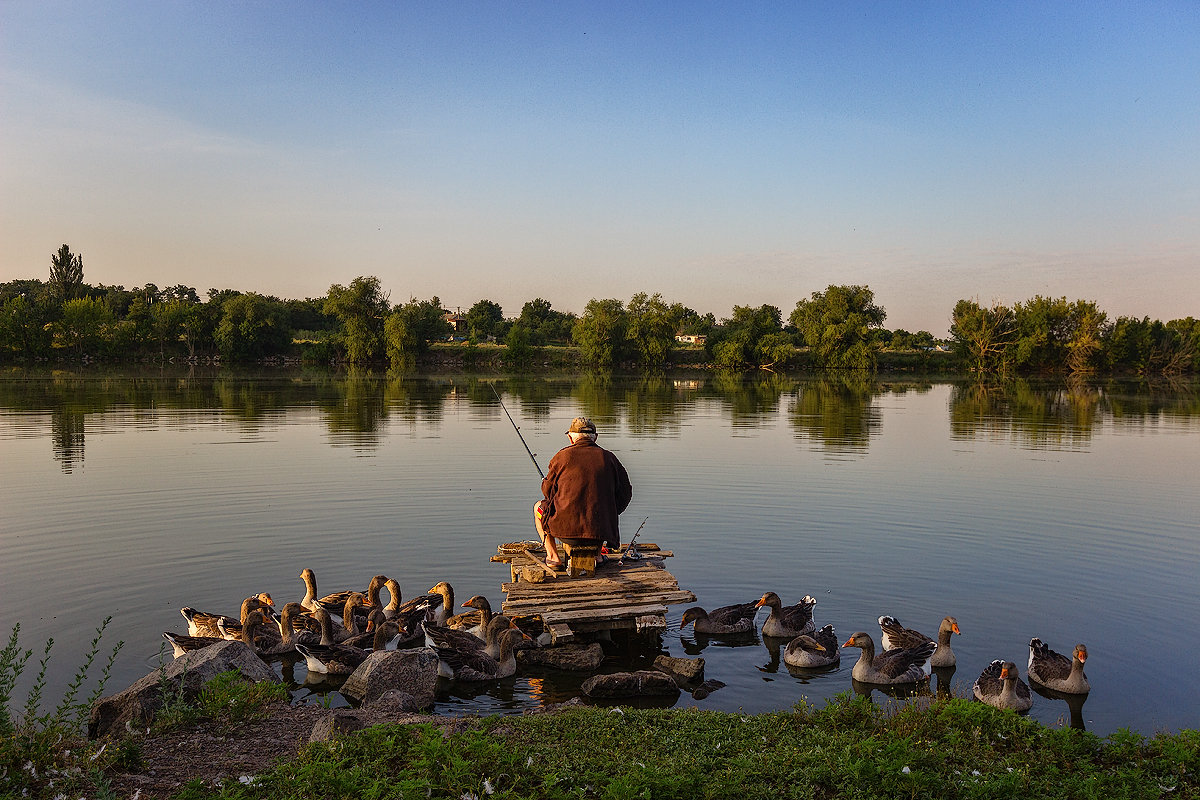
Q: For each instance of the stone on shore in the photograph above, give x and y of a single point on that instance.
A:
(571, 657)
(411, 672)
(183, 677)
(643, 683)
(689, 669)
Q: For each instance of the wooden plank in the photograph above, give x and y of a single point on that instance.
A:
(534, 605)
(560, 633)
(584, 614)
(650, 622)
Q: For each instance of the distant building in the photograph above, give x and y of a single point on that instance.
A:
(457, 321)
(691, 338)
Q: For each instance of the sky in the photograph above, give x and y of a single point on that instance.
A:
(720, 154)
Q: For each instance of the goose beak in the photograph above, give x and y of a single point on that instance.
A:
(1004, 673)
(954, 628)
(849, 642)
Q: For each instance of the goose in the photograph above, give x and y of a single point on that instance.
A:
(733, 619)
(287, 627)
(819, 650)
(1056, 671)
(378, 626)
(183, 643)
(333, 659)
(896, 636)
(204, 623)
(475, 666)
(335, 603)
(999, 685)
(903, 665)
(265, 640)
(448, 638)
(474, 622)
(787, 622)
(442, 614)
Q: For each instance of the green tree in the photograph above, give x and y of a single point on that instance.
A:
(982, 337)
(362, 307)
(1040, 342)
(544, 324)
(410, 328)
(601, 332)
(751, 338)
(166, 320)
(23, 327)
(652, 326)
(84, 324)
(518, 346)
(1085, 335)
(837, 324)
(252, 326)
(484, 319)
(66, 274)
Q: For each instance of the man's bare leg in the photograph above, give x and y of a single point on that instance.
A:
(552, 556)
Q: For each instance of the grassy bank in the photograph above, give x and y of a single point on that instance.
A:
(849, 748)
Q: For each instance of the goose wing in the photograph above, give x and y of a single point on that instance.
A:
(906, 663)
(735, 615)
(989, 683)
(897, 636)
(1045, 664)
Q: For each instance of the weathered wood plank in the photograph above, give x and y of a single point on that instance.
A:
(535, 605)
(584, 614)
(650, 622)
(560, 633)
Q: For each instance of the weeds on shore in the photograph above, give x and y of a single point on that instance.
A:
(47, 754)
(849, 748)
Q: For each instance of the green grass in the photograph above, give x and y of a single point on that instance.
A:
(849, 748)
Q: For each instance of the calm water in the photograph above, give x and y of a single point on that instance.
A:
(1068, 513)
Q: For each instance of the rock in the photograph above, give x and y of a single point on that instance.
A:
(394, 701)
(413, 672)
(184, 677)
(705, 689)
(571, 657)
(643, 683)
(336, 723)
(689, 669)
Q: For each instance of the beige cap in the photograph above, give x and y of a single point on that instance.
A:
(582, 425)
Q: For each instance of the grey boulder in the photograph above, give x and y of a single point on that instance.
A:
(411, 672)
(183, 677)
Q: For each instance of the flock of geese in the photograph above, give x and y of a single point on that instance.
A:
(907, 656)
(477, 645)
(474, 645)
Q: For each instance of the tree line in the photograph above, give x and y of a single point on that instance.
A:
(840, 328)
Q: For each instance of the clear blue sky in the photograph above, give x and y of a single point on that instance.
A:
(718, 153)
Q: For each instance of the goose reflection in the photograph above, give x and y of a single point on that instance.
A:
(1074, 703)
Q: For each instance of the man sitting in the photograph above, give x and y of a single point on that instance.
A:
(585, 489)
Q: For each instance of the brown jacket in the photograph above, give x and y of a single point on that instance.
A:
(587, 488)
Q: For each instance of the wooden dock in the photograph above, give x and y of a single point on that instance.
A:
(632, 596)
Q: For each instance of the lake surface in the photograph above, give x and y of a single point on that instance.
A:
(1064, 512)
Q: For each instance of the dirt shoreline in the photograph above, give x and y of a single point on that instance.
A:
(215, 753)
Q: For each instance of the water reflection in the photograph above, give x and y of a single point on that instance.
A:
(66, 432)
(837, 412)
(1074, 704)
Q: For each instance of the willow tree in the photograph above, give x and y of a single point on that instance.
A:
(361, 307)
(837, 325)
(983, 337)
(410, 328)
(601, 332)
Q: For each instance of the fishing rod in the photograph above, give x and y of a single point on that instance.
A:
(532, 457)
